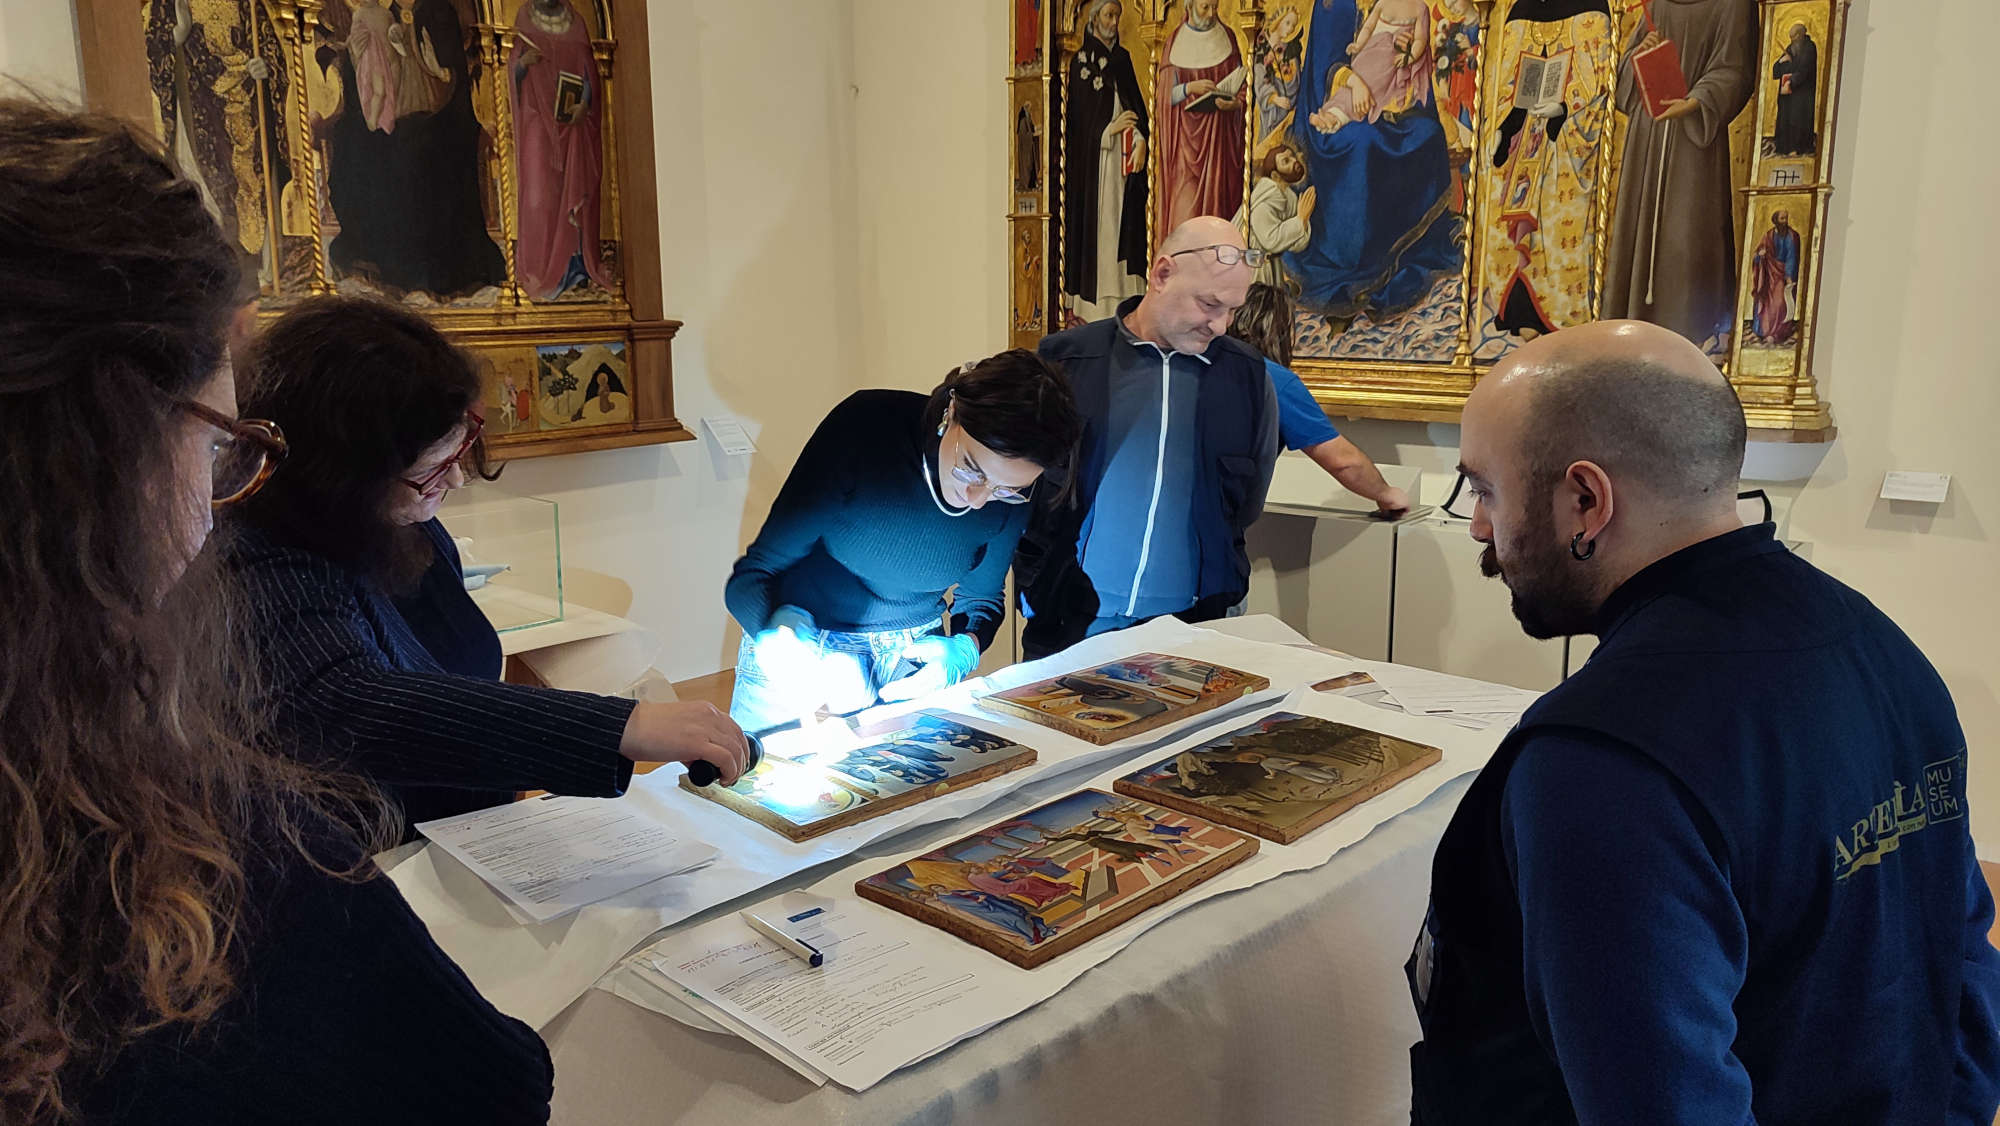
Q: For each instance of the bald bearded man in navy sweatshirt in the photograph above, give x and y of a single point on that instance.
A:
(1723, 874)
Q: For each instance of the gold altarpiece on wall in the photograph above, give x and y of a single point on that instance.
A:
(1438, 181)
(488, 163)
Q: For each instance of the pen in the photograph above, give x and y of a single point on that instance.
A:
(804, 952)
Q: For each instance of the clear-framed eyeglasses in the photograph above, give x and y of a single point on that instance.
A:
(973, 478)
(1228, 255)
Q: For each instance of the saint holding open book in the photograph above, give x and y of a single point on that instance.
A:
(1200, 100)
(1548, 159)
(559, 150)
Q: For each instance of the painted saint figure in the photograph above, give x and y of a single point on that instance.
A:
(1278, 218)
(404, 151)
(1117, 849)
(1276, 61)
(1672, 259)
(995, 909)
(1797, 75)
(396, 68)
(208, 71)
(1396, 230)
(558, 150)
(1199, 96)
(1027, 153)
(1002, 877)
(604, 397)
(1555, 64)
(1457, 34)
(1104, 169)
(1388, 68)
(1774, 279)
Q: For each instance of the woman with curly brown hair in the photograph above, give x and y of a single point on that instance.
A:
(375, 657)
(190, 927)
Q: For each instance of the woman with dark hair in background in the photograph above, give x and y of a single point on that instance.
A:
(896, 499)
(376, 657)
(1265, 323)
(190, 928)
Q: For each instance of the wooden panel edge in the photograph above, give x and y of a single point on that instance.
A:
(671, 431)
(1245, 847)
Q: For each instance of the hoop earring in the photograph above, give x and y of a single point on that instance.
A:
(1583, 552)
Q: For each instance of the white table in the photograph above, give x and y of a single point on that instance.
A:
(1285, 1002)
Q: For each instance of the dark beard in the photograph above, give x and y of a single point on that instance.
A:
(1551, 595)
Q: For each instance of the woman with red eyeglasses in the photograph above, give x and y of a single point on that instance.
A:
(376, 658)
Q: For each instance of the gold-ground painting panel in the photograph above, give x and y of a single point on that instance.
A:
(1101, 121)
(1795, 76)
(1030, 174)
(1438, 181)
(463, 158)
(1777, 261)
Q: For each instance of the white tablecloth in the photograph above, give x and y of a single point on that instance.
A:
(1282, 1003)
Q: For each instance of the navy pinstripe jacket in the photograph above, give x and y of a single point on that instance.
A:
(356, 686)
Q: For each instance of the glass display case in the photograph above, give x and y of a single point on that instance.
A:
(511, 546)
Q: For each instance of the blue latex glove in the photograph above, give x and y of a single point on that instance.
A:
(782, 651)
(945, 661)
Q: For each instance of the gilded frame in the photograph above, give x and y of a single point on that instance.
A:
(627, 319)
(1776, 383)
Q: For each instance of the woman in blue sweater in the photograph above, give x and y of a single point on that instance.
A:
(897, 499)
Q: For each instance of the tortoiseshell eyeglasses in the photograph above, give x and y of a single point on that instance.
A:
(244, 455)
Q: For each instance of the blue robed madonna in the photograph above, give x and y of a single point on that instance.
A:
(1384, 227)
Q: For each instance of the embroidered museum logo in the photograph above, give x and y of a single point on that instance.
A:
(1936, 798)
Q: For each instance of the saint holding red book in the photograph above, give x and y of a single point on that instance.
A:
(1689, 69)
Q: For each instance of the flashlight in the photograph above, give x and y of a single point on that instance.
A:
(702, 772)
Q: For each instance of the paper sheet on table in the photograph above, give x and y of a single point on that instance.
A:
(1367, 691)
(534, 972)
(1420, 691)
(552, 855)
(916, 990)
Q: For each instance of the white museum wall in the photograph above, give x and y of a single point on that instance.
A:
(38, 45)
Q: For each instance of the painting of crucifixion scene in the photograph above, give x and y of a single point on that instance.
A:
(1044, 882)
(1435, 182)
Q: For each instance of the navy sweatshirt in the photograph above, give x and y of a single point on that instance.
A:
(357, 689)
(1721, 875)
(857, 540)
(344, 1012)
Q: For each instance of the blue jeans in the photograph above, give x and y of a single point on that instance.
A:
(855, 666)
